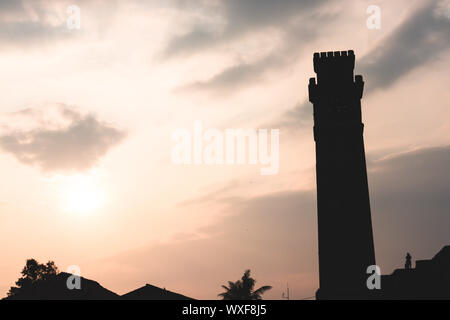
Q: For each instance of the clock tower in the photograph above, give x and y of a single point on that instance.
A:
(346, 246)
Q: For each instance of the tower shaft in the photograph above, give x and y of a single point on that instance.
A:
(346, 246)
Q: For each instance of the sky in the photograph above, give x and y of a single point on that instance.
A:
(87, 117)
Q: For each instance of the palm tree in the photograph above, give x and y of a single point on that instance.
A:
(243, 289)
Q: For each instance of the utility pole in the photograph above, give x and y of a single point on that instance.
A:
(286, 296)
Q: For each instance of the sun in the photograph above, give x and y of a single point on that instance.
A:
(82, 195)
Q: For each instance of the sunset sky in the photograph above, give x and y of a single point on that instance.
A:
(87, 117)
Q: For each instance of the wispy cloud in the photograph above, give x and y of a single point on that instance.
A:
(297, 23)
(422, 37)
(28, 22)
(237, 19)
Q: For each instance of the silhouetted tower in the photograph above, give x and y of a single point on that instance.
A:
(345, 228)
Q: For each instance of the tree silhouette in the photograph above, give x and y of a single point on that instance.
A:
(33, 272)
(243, 289)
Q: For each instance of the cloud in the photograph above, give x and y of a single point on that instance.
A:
(299, 29)
(61, 138)
(240, 17)
(297, 22)
(409, 193)
(24, 23)
(420, 39)
(11, 5)
(236, 75)
(26, 32)
(413, 187)
(299, 117)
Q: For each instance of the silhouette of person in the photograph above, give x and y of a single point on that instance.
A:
(408, 261)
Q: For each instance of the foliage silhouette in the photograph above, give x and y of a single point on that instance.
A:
(32, 273)
(243, 289)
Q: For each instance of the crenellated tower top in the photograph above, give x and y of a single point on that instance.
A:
(325, 62)
(336, 92)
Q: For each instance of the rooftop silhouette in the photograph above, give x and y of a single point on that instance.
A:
(430, 279)
(55, 288)
(149, 292)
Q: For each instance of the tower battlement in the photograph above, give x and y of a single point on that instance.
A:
(326, 59)
(335, 78)
(329, 64)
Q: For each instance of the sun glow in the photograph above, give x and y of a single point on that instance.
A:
(82, 195)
